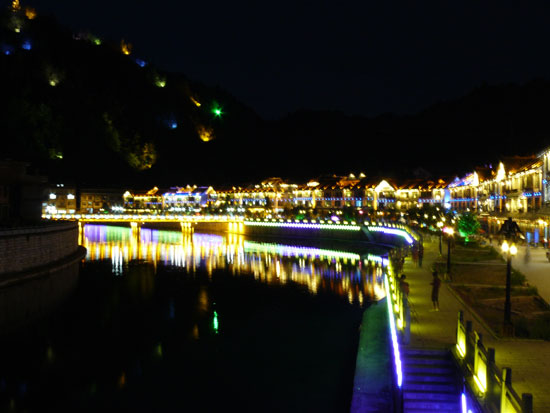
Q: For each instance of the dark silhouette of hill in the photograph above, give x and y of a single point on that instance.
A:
(81, 110)
(447, 138)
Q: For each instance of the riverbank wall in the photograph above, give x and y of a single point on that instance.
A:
(372, 385)
(38, 269)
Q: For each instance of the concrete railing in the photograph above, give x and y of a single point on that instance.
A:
(489, 386)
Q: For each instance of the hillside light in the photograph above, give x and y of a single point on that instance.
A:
(217, 112)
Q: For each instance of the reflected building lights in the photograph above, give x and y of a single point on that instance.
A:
(356, 278)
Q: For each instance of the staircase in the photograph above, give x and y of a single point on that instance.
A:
(431, 383)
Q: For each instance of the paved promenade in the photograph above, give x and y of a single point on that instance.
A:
(529, 359)
(536, 269)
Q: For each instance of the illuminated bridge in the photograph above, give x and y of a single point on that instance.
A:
(374, 231)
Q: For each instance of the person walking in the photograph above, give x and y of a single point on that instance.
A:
(436, 283)
(404, 285)
(414, 254)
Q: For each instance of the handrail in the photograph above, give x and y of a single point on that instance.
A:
(487, 384)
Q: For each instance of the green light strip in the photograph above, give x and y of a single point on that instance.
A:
(303, 225)
(291, 250)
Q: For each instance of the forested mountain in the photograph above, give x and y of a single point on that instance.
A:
(86, 109)
(78, 106)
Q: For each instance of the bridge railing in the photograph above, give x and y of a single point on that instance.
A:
(487, 385)
(141, 217)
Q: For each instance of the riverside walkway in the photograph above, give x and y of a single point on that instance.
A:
(528, 359)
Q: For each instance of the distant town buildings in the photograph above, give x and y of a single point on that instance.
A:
(516, 187)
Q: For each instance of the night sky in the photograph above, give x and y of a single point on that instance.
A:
(363, 58)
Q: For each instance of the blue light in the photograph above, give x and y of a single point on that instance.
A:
(26, 45)
(173, 125)
(393, 332)
(7, 49)
(141, 63)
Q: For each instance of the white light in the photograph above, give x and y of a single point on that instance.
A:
(505, 247)
(53, 196)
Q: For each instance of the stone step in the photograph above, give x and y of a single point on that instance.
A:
(430, 406)
(430, 396)
(424, 410)
(430, 386)
(429, 369)
(427, 360)
(424, 352)
(432, 378)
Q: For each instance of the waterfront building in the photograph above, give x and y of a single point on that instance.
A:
(150, 201)
(61, 199)
(68, 199)
(514, 187)
(415, 192)
(99, 200)
(188, 199)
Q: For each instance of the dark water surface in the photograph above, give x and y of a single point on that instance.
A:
(164, 322)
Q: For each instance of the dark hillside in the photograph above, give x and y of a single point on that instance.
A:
(81, 109)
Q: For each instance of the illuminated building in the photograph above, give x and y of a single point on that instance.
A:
(67, 199)
(144, 202)
(414, 192)
(515, 186)
(61, 199)
(188, 199)
(99, 200)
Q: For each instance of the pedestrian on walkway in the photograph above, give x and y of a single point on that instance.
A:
(404, 285)
(420, 254)
(436, 283)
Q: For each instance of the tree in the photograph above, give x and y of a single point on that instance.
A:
(468, 225)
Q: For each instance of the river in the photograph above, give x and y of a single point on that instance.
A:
(166, 321)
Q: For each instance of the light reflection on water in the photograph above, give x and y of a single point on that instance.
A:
(164, 319)
(344, 273)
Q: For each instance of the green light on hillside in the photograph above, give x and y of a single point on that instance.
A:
(215, 323)
(217, 111)
(97, 41)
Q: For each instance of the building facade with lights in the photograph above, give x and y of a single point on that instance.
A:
(516, 187)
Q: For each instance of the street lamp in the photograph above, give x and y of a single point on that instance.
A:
(450, 232)
(440, 226)
(510, 251)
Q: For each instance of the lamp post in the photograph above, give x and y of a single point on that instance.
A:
(440, 226)
(450, 232)
(510, 251)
